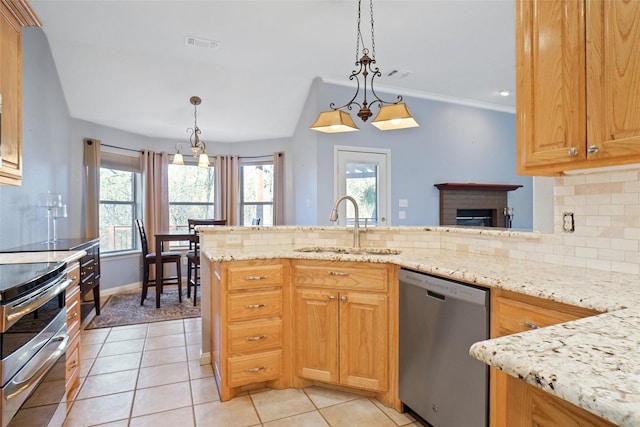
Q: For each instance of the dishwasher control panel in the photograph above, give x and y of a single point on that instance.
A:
(444, 287)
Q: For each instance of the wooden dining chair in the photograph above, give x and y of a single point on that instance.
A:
(193, 255)
(149, 259)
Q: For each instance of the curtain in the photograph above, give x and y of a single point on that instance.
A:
(91, 188)
(227, 188)
(278, 188)
(155, 188)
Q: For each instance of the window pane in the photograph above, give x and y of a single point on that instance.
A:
(362, 185)
(116, 227)
(262, 212)
(116, 185)
(180, 214)
(257, 183)
(190, 183)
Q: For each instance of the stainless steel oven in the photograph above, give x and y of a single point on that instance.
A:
(33, 340)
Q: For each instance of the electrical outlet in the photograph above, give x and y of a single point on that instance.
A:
(568, 225)
(232, 239)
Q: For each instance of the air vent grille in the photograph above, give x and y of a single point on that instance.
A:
(199, 42)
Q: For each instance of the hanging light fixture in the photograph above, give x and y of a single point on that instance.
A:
(198, 148)
(392, 115)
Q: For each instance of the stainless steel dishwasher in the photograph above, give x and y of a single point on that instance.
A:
(438, 379)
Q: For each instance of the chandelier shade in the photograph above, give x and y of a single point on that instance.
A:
(334, 121)
(198, 148)
(392, 115)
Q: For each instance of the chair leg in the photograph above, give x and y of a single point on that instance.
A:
(145, 283)
(189, 266)
(179, 280)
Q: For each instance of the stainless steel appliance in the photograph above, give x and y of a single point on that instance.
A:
(439, 320)
(33, 340)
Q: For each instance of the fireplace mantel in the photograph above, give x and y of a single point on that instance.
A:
(461, 186)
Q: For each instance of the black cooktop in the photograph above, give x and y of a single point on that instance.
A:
(58, 245)
(17, 279)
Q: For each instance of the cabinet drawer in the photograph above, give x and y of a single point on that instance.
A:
(72, 364)
(255, 368)
(373, 277)
(74, 275)
(254, 305)
(255, 336)
(254, 277)
(515, 316)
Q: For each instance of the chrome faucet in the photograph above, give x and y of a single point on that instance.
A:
(356, 225)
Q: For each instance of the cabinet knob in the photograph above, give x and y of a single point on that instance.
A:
(573, 151)
(593, 149)
(332, 297)
(343, 299)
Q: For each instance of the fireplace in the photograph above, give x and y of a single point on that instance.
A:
(474, 205)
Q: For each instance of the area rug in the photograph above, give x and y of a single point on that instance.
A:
(125, 309)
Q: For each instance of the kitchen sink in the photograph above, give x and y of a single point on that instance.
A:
(349, 250)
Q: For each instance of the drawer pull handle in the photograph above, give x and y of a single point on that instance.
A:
(256, 277)
(256, 338)
(252, 306)
(338, 273)
(73, 315)
(530, 325)
(73, 365)
(74, 278)
(258, 369)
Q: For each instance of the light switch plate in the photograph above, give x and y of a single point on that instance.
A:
(403, 203)
(568, 225)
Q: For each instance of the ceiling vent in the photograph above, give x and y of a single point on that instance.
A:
(198, 42)
(398, 74)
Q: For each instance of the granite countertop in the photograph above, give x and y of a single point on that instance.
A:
(28, 257)
(593, 363)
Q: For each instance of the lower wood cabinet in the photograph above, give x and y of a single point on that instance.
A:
(513, 401)
(72, 301)
(343, 327)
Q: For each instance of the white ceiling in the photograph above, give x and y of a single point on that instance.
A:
(124, 64)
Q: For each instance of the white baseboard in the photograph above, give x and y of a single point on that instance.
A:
(205, 359)
(121, 289)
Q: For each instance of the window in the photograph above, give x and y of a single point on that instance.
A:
(118, 209)
(191, 194)
(256, 188)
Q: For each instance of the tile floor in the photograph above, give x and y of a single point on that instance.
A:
(149, 375)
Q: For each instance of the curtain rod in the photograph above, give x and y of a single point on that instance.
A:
(121, 148)
(240, 157)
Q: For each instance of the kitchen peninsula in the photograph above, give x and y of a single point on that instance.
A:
(502, 260)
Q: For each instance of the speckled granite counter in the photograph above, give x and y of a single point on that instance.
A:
(593, 363)
(53, 256)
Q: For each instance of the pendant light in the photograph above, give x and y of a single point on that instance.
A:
(198, 148)
(392, 115)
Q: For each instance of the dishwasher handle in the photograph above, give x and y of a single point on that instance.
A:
(435, 295)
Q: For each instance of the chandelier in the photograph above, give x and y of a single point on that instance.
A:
(392, 115)
(198, 148)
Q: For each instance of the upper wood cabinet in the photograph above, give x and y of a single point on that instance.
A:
(14, 14)
(577, 69)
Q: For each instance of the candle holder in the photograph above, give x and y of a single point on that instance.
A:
(508, 216)
(56, 213)
(49, 201)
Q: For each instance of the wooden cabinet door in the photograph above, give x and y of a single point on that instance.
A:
(316, 331)
(613, 82)
(363, 340)
(11, 92)
(550, 79)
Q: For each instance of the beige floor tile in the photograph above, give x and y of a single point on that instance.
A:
(114, 382)
(94, 336)
(309, 419)
(163, 374)
(164, 356)
(204, 390)
(237, 412)
(161, 398)
(85, 367)
(194, 352)
(166, 328)
(122, 362)
(400, 418)
(193, 325)
(182, 417)
(275, 404)
(164, 341)
(89, 351)
(193, 337)
(121, 347)
(356, 413)
(196, 370)
(100, 410)
(132, 333)
(122, 423)
(323, 397)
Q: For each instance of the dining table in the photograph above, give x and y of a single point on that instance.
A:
(169, 236)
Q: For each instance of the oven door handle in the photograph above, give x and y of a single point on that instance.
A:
(30, 303)
(16, 386)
